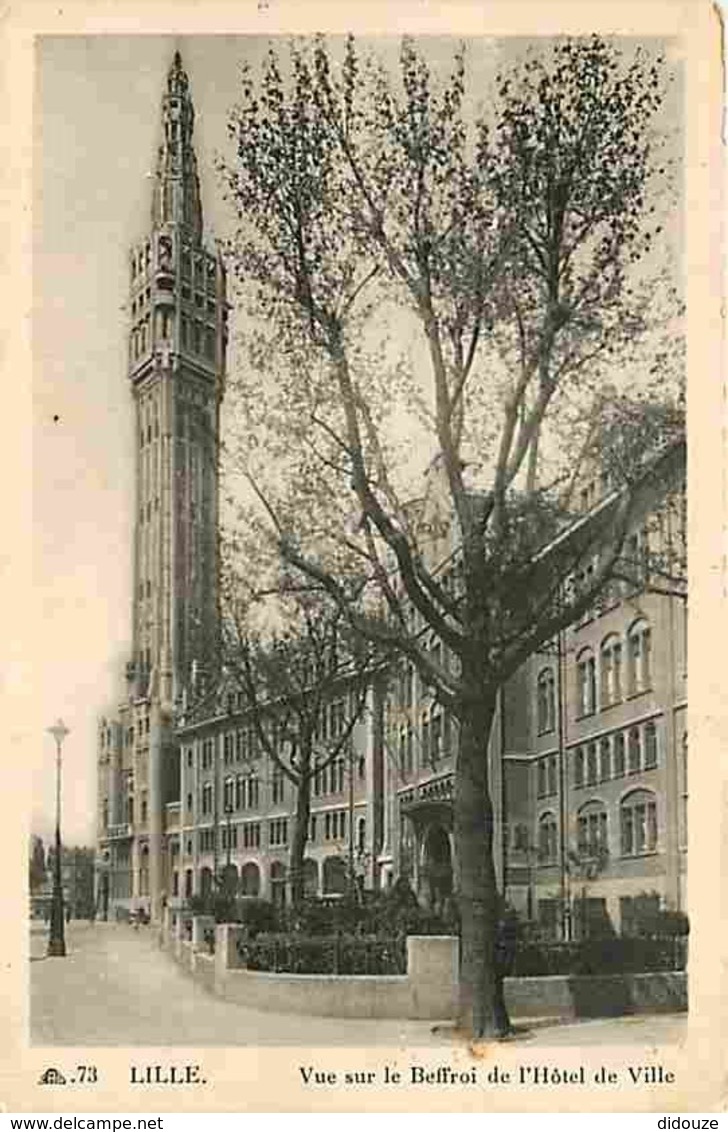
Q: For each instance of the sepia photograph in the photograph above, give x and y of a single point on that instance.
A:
(359, 412)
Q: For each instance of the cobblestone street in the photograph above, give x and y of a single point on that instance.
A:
(115, 988)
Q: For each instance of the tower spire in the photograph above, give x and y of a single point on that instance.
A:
(176, 197)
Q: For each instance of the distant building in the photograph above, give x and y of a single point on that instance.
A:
(77, 880)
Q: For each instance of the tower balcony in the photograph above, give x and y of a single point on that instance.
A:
(119, 832)
(164, 283)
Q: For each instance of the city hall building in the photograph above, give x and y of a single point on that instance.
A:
(588, 752)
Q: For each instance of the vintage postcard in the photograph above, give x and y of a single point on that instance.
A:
(365, 573)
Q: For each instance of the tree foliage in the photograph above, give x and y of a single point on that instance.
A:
(484, 286)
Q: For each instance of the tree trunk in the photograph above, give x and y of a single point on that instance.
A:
(299, 837)
(481, 1011)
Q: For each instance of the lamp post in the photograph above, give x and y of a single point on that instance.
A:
(228, 822)
(56, 940)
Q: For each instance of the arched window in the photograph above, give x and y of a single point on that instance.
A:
(547, 839)
(639, 658)
(591, 827)
(229, 794)
(638, 823)
(250, 879)
(611, 671)
(546, 701)
(586, 683)
(634, 750)
(230, 879)
(334, 875)
(278, 882)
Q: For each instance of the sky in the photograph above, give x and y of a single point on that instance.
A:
(97, 118)
(97, 122)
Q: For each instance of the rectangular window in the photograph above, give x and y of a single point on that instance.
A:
(605, 752)
(591, 765)
(541, 772)
(579, 766)
(650, 740)
(277, 786)
(635, 762)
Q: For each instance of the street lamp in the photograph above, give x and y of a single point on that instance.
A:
(228, 820)
(56, 941)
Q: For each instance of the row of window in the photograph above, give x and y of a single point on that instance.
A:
(278, 831)
(149, 432)
(434, 740)
(611, 687)
(624, 752)
(195, 336)
(145, 510)
(334, 825)
(330, 779)
(242, 745)
(410, 686)
(638, 833)
(248, 835)
(248, 881)
(204, 267)
(243, 792)
(602, 685)
(141, 260)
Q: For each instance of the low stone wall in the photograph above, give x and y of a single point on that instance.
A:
(428, 991)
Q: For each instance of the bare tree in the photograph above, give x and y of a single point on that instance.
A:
(514, 257)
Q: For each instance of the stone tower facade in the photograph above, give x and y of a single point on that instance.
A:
(177, 345)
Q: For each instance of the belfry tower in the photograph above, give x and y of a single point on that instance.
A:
(177, 346)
